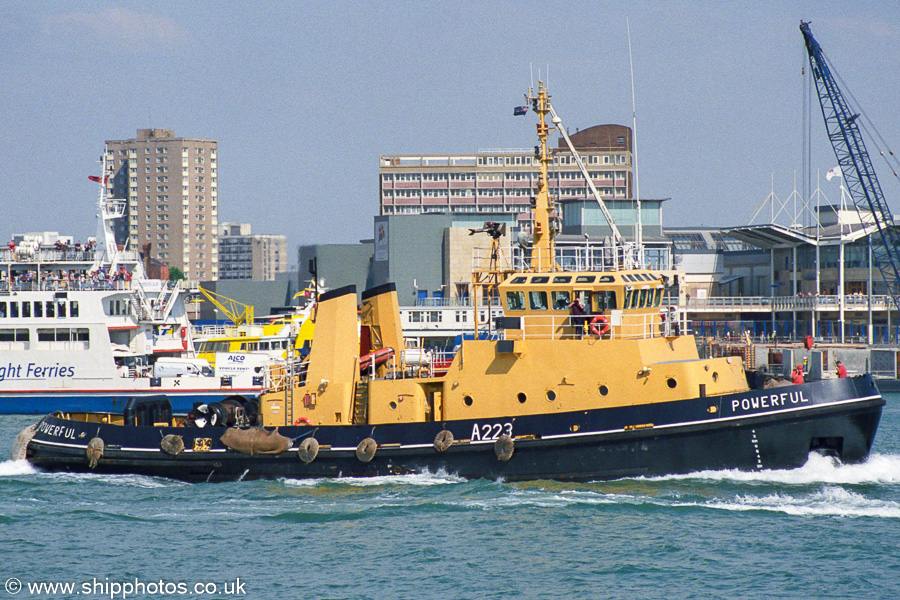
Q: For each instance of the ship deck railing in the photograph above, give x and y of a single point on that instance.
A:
(29, 256)
(63, 286)
(829, 303)
(567, 327)
(572, 257)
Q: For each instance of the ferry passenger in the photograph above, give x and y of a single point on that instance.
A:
(841, 369)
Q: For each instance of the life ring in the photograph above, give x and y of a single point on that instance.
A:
(599, 325)
(302, 421)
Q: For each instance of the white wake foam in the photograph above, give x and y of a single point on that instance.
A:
(10, 468)
(412, 479)
(831, 501)
(879, 468)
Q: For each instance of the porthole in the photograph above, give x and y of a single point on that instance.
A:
(393, 405)
(603, 390)
(551, 395)
(521, 397)
(715, 376)
(467, 400)
(671, 383)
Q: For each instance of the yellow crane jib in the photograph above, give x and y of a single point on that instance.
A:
(237, 312)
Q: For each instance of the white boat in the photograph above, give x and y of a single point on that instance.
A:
(83, 329)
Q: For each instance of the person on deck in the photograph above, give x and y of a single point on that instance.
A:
(841, 369)
(578, 319)
(797, 375)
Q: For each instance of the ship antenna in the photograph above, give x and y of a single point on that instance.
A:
(639, 236)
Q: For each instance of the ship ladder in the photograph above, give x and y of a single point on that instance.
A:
(361, 403)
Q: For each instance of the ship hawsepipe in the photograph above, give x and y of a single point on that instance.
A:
(752, 430)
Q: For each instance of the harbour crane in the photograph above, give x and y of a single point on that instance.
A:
(237, 312)
(853, 159)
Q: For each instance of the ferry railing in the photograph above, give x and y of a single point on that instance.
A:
(64, 285)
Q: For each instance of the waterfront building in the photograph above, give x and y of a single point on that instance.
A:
(170, 185)
(243, 255)
(495, 181)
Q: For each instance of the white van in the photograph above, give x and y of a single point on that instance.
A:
(179, 367)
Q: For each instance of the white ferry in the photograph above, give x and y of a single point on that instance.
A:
(84, 329)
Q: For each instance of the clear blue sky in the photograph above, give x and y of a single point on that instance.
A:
(304, 96)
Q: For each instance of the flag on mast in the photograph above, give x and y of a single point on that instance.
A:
(833, 172)
(519, 111)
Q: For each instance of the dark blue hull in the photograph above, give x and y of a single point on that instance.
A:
(758, 429)
(41, 403)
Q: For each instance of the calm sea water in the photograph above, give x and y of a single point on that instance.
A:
(822, 531)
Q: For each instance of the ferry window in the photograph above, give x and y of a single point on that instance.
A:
(243, 346)
(14, 335)
(562, 279)
(46, 335)
(515, 300)
(63, 335)
(14, 310)
(606, 279)
(61, 309)
(537, 300)
(81, 335)
(73, 308)
(560, 300)
(26, 309)
(2, 310)
(51, 312)
(541, 279)
(643, 301)
(584, 279)
(38, 309)
(519, 280)
(628, 298)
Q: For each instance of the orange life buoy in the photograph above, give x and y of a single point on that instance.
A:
(599, 325)
(301, 421)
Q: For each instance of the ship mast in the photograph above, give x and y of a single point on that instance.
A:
(542, 205)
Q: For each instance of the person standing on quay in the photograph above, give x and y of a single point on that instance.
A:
(841, 369)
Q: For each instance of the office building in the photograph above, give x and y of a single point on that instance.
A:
(246, 256)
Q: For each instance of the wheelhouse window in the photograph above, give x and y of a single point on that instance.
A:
(561, 300)
(515, 300)
(537, 300)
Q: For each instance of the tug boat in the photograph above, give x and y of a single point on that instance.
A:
(614, 390)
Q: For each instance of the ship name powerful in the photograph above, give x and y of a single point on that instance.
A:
(768, 401)
(34, 371)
